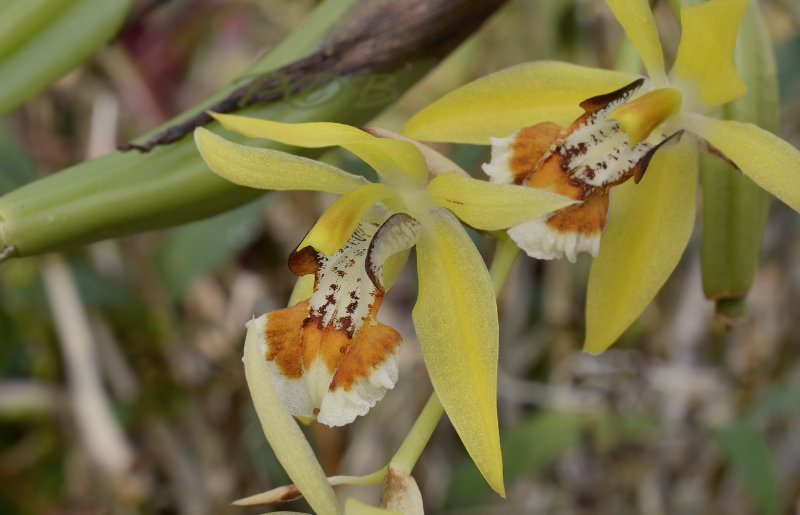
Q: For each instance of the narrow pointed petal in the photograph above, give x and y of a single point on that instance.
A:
(505, 101)
(768, 160)
(637, 20)
(269, 169)
(456, 322)
(394, 160)
(339, 221)
(492, 207)
(648, 228)
(284, 436)
(705, 54)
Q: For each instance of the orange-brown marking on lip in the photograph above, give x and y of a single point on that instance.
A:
(528, 147)
(304, 261)
(295, 340)
(284, 332)
(587, 218)
(540, 159)
(325, 343)
(370, 347)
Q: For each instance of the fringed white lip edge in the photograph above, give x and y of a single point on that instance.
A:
(541, 241)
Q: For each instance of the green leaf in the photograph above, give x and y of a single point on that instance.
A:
(780, 399)
(40, 40)
(16, 166)
(748, 454)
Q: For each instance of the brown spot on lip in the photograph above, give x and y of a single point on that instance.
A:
(304, 261)
(541, 157)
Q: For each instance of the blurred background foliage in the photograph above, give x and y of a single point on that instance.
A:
(683, 415)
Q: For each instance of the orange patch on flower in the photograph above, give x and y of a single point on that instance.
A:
(329, 354)
(368, 351)
(295, 340)
(587, 218)
(283, 333)
(581, 162)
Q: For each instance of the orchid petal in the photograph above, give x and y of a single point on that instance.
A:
(705, 53)
(329, 355)
(768, 160)
(394, 160)
(505, 101)
(302, 290)
(492, 207)
(270, 169)
(649, 226)
(456, 322)
(339, 221)
(637, 20)
(284, 436)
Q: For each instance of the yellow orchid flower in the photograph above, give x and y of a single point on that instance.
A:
(327, 355)
(629, 124)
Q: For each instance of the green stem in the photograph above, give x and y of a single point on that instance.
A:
(407, 455)
(374, 478)
(410, 450)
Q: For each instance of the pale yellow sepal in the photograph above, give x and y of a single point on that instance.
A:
(394, 160)
(639, 117)
(302, 290)
(270, 169)
(490, 207)
(640, 27)
(505, 101)
(648, 228)
(283, 434)
(353, 506)
(338, 222)
(768, 160)
(705, 54)
(456, 322)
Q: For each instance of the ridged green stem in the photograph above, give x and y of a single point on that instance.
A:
(734, 207)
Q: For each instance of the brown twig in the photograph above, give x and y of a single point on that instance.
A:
(380, 39)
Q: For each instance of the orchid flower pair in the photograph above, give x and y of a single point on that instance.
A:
(327, 354)
(629, 124)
